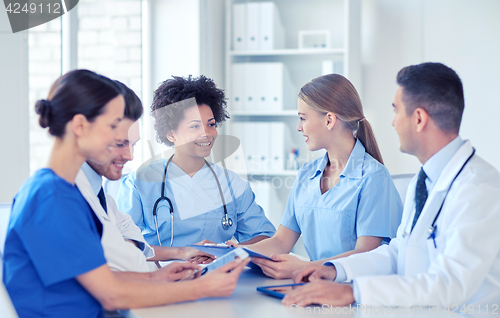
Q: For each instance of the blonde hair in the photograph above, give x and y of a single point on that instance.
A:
(335, 93)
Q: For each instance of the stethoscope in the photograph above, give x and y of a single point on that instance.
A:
(226, 221)
(433, 228)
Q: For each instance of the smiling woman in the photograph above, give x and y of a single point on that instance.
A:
(47, 248)
(206, 201)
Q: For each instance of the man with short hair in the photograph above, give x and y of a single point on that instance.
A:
(447, 248)
(124, 246)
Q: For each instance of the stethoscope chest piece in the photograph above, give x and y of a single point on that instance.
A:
(226, 222)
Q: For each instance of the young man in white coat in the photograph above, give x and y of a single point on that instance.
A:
(447, 249)
(124, 246)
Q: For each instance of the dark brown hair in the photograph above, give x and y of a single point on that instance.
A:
(76, 92)
(437, 89)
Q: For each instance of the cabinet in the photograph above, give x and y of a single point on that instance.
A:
(273, 70)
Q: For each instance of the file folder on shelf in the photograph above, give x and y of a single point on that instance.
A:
(237, 87)
(264, 145)
(266, 196)
(257, 26)
(252, 26)
(239, 27)
(265, 87)
(271, 29)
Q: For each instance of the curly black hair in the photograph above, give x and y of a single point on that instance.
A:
(178, 88)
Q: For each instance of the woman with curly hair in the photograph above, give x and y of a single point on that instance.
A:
(182, 199)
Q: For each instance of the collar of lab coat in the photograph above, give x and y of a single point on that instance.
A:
(83, 185)
(436, 196)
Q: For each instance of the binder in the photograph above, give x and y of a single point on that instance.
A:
(236, 161)
(262, 143)
(267, 198)
(237, 86)
(271, 29)
(277, 146)
(251, 86)
(253, 26)
(276, 88)
(239, 27)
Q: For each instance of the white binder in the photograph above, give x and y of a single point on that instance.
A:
(239, 27)
(271, 29)
(236, 161)
(251, 86)
(253, 26)
(277, 146)
(277, 88)
(262, 143)
(237, 86)
(266, 196)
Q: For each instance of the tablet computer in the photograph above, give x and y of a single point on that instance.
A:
(278, 291)
(218, 251)
(223, 260)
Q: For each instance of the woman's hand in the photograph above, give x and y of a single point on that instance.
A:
(222, 281)
(175, 271)
(282, 266)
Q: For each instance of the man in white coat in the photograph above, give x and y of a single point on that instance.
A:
(447, 249)
(124, 246)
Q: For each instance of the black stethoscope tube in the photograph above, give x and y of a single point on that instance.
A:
(226, 221)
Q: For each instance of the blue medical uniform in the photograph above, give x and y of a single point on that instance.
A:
(140, 189)
(53, 236)
(364, 202)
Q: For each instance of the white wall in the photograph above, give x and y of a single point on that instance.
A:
(462, 34)
(14, 132)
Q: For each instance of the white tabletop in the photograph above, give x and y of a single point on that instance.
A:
(247, 302)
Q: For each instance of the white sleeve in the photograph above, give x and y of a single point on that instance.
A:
(127, 227)
(380, 261)
(467, 257)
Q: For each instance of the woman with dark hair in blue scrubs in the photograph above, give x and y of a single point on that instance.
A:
(54, 263)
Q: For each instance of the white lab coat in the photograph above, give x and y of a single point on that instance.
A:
(120, 254)
(465, 266)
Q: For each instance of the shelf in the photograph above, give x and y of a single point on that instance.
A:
(289, 52)
(282, 173)
(291, 112)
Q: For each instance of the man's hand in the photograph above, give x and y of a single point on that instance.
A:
(320, 292)
(175, 271)
(282, 266)
(314, 272)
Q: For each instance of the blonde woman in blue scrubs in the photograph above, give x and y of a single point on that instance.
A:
(344, 202)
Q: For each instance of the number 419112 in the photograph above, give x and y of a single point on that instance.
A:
(34, 8)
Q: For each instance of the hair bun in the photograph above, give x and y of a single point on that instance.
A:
(43, 108)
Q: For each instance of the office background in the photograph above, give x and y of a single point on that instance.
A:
(143, 42)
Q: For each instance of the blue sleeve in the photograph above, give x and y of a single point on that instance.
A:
(379, 207)
(288, 219)
(62, 239)
(129, 200)
(252, 221)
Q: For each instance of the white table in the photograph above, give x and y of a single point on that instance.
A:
(247, 302)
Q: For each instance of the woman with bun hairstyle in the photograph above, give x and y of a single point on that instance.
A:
(344, 202)
(53, 259)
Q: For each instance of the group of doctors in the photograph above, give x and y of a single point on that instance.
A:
(441, 249)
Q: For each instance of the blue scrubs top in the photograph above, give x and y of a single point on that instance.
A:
(364, 202)
(53, 236)
(140, 189)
